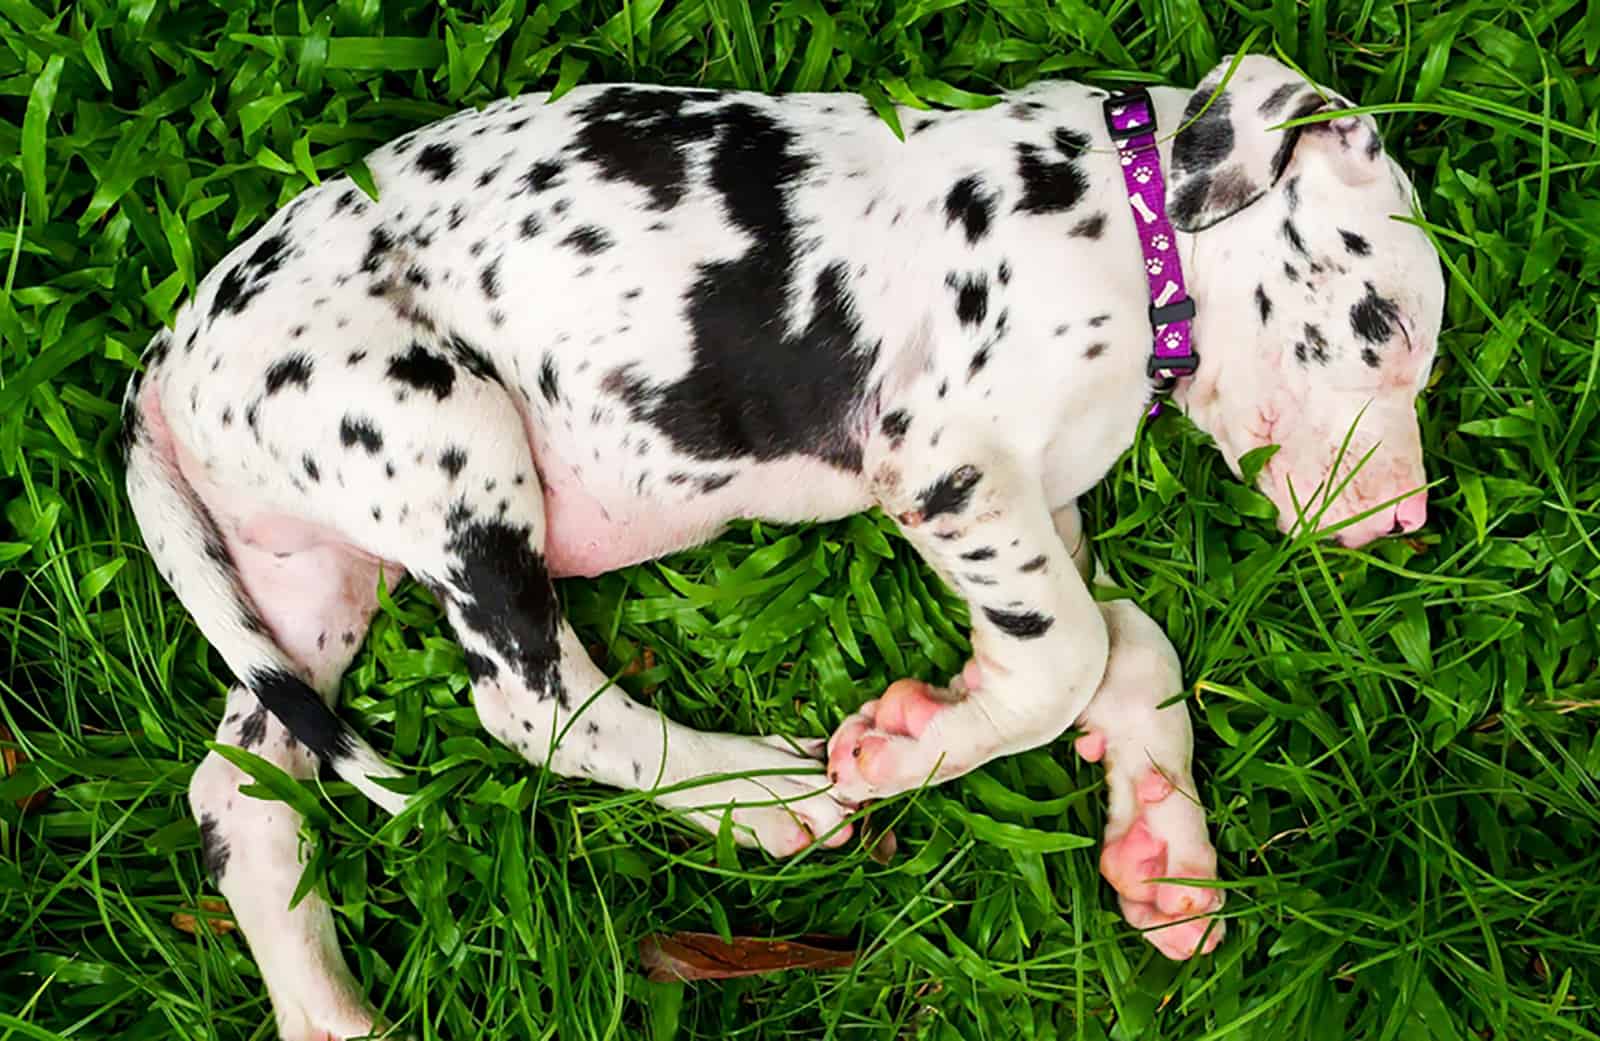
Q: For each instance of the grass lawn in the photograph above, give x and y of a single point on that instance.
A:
(1398, 746)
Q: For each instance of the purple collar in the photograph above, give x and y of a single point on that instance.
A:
(1131, 119)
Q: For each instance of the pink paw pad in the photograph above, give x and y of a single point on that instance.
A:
(907, 708)
(1092, 747)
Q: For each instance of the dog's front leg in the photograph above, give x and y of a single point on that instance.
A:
(978, 514)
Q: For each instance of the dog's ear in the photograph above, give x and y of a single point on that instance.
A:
(1226, 156)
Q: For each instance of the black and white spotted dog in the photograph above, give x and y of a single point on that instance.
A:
(575, 336)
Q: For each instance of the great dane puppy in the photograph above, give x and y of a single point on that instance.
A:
(576, 335)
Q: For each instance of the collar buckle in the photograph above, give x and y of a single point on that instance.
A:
(1134, 110)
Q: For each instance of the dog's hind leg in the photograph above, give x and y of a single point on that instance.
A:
(288, 623)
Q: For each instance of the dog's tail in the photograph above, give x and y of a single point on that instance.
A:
(191, 552)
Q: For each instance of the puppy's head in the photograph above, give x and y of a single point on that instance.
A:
(1318, 311)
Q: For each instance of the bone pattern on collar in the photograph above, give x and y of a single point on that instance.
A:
(1131, 120)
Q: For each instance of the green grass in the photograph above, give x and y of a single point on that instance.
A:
(1398, 747)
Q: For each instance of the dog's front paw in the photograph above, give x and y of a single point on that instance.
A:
(1154, 831)
(895, 743)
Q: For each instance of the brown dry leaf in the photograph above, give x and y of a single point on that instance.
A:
(214, 913)
(704, 956)
(11, 757)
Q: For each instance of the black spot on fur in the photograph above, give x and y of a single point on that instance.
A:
(588, 240)
(501, 591)
(358, 430)
(437, 160)
(426, 371)
(1051, 186)
(213, 849)
(452, 460)
(529, 226)
(245, 280)
(548, 385)
(1094, 351)
(1023, 625)
(1089, 227)
(968, 203)
(1373, 317)
(379, 243)
(1263, 304)
(1355, 244)
(811, 379)
(473, 360)
(1034, 565)
(302, 712)
(310, 466)
(542, 176)
(253, 728)
(489, 279)
(981, 553)
(896, 423)
(950, 493)
(1370, 356)
(980, 358)
(972, 298)
(643, 135)
(712, 483)
(1317, 343)
(479, 667)
(1292, 234)
(1290, 272)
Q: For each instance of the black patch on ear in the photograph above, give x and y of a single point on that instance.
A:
(213, 850)
(291, 368)
(950, 493)
(1022, 625)
(426, 371)
(1263, 305)
(1052, 186)
(1208, 140)
(358, 430)
(1355, 244)
(1277, 99)
(971, 205)
(1292, 234)
(1189, 200)
(437, 160)
(972, 297)
(1312, 102)
(500, 588)
(1089, 227)
(480, 667)
(1373, 317)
